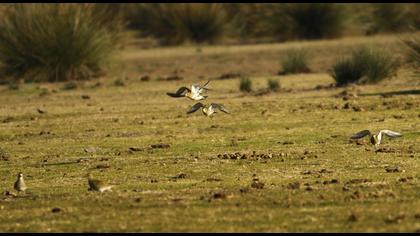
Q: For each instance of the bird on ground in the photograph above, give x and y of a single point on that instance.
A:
(20, 184)
(98, 185)
(207, 110)
(195, 93)
(375, 139)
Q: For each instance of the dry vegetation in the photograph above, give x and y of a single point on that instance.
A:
(281, 161)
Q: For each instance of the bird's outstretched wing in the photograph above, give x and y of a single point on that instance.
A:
(204, 86)
(198, 88)
(195, 107)
(390, 133)
(179, 93)
(361, 134)
(220, 107)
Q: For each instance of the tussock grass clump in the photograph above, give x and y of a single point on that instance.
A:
(413, 44)
(366, 65)
(245, 85)
(182, 22)
(56, 42)
(390, 17)
(295, 61)
(273, 85)
(307, 20)
(248, 19)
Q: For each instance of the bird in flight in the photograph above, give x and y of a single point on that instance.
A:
(195, 93)
(375, 139)
(207, 110)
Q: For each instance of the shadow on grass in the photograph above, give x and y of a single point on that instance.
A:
(404, 92)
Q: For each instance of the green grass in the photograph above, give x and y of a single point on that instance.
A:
(148, 199)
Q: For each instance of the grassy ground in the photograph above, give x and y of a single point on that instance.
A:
(314, 178)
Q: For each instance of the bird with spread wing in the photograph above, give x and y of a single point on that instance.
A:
(195, 93)
(207, 110)
(375, 139)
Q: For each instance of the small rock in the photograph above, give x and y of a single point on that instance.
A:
(55, 210)
(85, 97)
(258, 185)
(294, 185)
(119, 83)
(219, 195)
(244, 190)
(353, 217)
(136, 149)
(145, 78)
(103, 166)
(160, 145)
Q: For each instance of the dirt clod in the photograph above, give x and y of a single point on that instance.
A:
(160, 145)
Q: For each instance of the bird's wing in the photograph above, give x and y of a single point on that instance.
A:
(179, 93)
(390, 133)
(220, 107)
(361, 134)
(195, 88)
(204, 86)
(198, 88)
(195, 107)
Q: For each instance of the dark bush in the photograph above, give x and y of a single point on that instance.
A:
(307, 20)
(182, 22)
(55, 42)
(365, 65)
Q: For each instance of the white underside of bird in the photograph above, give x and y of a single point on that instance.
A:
(376, 139)
(195, 93)
(97, 185)
(20, 183)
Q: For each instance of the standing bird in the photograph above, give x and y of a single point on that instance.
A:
(375, 139)
(97, 185)
(20, 184)
(194, 93)
(207, 110)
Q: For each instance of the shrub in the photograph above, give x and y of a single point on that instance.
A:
(273, 85)
(57, 41)
(245, 85)
(365, 65)
(248, 19)
(390, 17)
(413, 44)
(295, 61)
(182, 22)
(306, 20)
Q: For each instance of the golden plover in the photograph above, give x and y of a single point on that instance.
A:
(195, 93)
(20, 184)
(375, 139)
(207, 110)
(98, 185)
